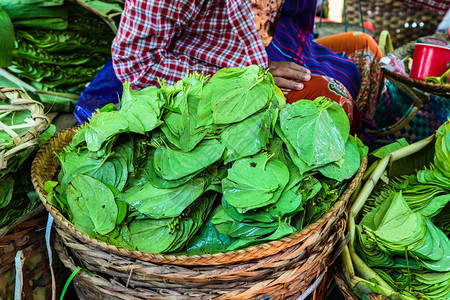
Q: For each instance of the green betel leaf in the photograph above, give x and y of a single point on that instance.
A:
(394, 213)
(289, 203)
(6, 190)
(316, 129)
(159, 203)
(145, 172)
(350, 163)
(291, 153)
(431, 247)
(247, 137)
(204, 112)
(209, 241)
(385, 150)
(442, 148)
(227, 225)
(111, 169)
(142, 108)
(255, 182)
(92, 205)
(7, 36)
(191, 134)
(174, 164)
(443, 264)
(152, 236)
(283, 230)
(102, 127)
(181, 128)
(167, 235)
(238, 93)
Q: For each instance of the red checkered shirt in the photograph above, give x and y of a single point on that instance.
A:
(438, 6)
(165, 38)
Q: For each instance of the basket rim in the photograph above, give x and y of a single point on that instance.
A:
(408, 50)
(434, 88)
(7, 228)
(185, 259)
(27, 139)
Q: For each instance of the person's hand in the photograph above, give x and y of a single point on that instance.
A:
(287, 75)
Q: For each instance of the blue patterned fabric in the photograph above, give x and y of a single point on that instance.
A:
(395, 105)
(104, 88)
(293, 41)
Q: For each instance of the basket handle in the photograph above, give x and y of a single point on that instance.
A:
(385, 42)
(418, 97)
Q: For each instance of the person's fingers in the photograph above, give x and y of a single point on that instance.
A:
(290, 73)
(294, 66)
(284, 83)
(289, 65)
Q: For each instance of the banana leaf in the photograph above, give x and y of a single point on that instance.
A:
(34, 12)
(7, 38)
(109, 11)
(33, 2)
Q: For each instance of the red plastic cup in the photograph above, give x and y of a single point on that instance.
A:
(429, 60)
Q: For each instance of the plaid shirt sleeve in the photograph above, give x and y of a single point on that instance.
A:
(164, 39)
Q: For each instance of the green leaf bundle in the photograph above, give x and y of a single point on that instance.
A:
(200, 167)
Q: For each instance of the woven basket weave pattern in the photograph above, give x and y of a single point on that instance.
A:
(27, 236)
(26, 233)
(278, 269)
(21, 101)
(404, 22)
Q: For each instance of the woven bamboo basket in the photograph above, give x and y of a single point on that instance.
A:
(404, 161)
(429, 105)
(25, 236)
(405, 22)
(37, 124)
(290, 267)
(407, 50)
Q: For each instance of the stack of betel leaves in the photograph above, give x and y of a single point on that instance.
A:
(55, 46)
(404, 232)
(205, 166)
(17, 195)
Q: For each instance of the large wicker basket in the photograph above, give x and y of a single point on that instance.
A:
(290, 267)
(405, 22)
(404, 161)
(24, 265)
(27, 236)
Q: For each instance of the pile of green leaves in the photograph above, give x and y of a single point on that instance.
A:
(59, 47)
(17, 195)
(404, 234)
(205, 166)
(62, 60)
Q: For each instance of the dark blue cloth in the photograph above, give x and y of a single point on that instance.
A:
(104, 88)
(293, 41)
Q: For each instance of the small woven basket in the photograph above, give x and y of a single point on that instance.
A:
(27, 236)
(290, 267)
(23, 237)
(404, 161)
(407, 50)
(405, 22)
(418, 108)
(35, 125)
